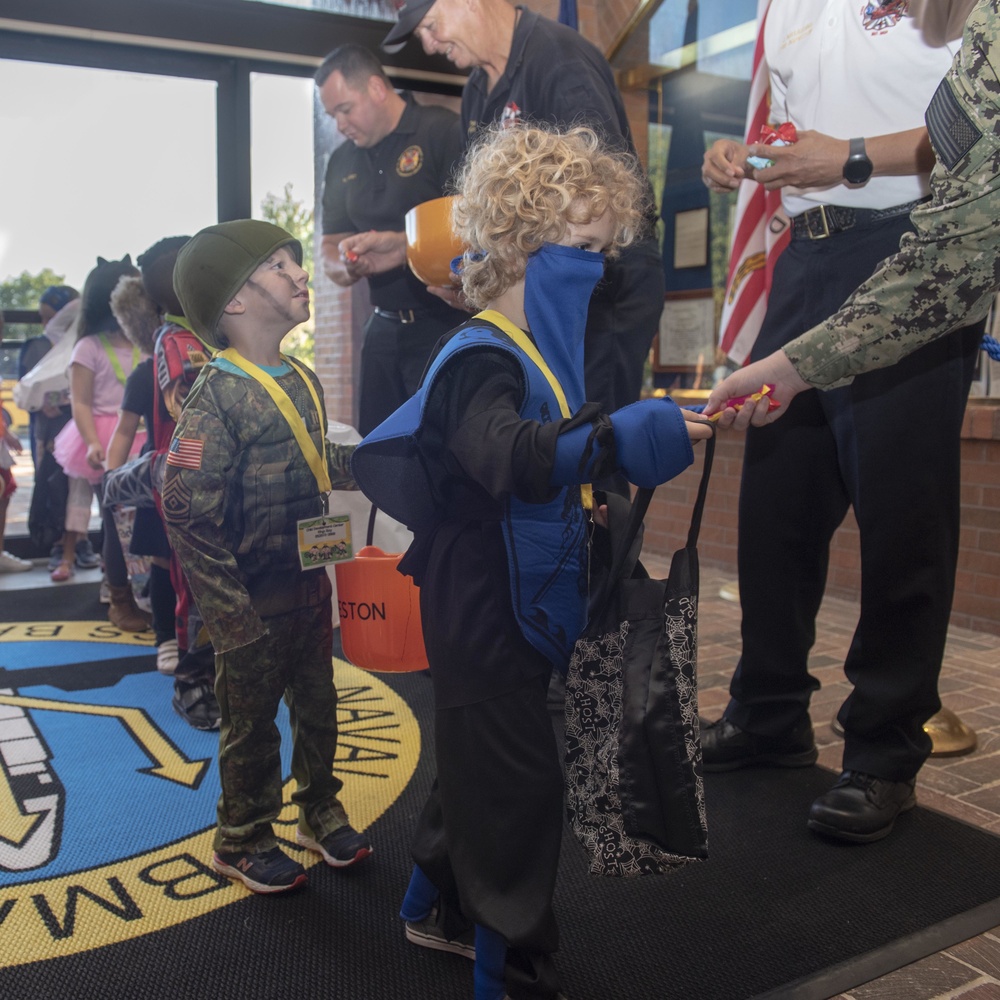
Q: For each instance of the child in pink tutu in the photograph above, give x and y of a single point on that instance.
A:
(101, 361)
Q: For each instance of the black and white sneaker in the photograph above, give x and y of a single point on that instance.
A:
(429, 933)
(196, 704)
(340, 849)
(267, 871)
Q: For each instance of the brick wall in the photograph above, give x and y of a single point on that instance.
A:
(977, 584)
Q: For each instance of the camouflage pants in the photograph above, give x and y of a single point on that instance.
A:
(294, 661)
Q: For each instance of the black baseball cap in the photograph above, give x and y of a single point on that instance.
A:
(411, 14)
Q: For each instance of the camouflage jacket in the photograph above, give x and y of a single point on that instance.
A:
(946, 274)
(235, 486)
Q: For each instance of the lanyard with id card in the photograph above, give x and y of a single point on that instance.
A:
(326, 539)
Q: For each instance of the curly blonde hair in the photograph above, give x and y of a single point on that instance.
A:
(522, 186)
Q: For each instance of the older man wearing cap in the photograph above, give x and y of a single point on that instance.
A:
(249, 463)
(528, 68)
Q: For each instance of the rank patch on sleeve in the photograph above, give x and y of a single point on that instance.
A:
(952, 133)
(185, 453)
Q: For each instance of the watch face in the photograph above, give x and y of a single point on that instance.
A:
(857, 169)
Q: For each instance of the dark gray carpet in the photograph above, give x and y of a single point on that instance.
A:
(775, 912)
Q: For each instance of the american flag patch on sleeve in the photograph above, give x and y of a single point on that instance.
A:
(185, 453)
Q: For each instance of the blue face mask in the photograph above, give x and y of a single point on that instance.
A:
(558, 283)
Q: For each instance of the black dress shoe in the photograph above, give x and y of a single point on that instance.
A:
(725, 747)
(861, 808)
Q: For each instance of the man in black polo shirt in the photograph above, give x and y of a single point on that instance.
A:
(398, 155)
(525, 67)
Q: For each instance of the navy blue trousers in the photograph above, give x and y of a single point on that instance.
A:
(887, 445)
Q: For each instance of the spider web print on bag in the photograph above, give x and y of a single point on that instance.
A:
(594, 711)
(682, 640)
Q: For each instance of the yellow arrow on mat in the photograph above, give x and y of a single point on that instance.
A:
(168, 761)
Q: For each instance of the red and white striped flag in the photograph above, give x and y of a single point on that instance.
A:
(760, 229)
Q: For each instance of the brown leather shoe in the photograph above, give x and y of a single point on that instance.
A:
(861, 808)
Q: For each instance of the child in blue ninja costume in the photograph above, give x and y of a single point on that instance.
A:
(486, 464)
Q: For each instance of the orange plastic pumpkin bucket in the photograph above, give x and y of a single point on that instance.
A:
(379, 611)
(431, 245)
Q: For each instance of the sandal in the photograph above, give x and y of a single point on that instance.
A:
(62, 572)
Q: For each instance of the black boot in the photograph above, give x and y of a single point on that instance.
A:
(861, 808)
(725, 747)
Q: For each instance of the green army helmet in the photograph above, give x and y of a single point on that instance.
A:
(216, 263)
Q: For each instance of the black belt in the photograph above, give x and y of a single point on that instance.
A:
(825, 220)
(403, 315)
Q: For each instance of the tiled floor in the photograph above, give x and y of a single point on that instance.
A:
(966, 787)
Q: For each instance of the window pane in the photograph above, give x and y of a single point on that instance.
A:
(281, 132)
(100, 162)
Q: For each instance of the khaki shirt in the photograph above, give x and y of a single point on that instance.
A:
(946, 274)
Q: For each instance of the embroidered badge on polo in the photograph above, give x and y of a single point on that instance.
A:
(410, 161)
(510, 115)
(878, 18)
(107, 797)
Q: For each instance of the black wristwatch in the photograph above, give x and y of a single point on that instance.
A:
(858, 167)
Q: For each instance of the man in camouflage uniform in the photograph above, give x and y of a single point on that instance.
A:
(244, 467)
(887, 445)
(946, 272)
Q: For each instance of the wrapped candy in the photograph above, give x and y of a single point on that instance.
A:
(783, 135)
(736, 402)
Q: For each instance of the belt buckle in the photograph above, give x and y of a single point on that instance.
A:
(406, 316)
(825, 232)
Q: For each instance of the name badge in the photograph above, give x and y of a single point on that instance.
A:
(324, 540)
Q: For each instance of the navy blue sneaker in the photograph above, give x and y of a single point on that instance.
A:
(342, 848)
(268, 871)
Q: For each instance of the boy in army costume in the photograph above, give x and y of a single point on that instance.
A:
(248, 462)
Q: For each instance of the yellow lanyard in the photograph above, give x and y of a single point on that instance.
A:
(527, 345)
(314, 456)
(113, 358)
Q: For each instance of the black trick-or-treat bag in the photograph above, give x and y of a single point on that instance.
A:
(634, 788)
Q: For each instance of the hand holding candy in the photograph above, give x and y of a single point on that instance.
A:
(737, 402)
(779, 382)
(783, 135)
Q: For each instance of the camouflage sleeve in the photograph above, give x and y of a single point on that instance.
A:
(946, 274)
(200, 472)
(338, 459)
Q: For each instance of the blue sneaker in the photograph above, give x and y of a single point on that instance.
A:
(86, 557)
(55, 556)
(342, 848)
(268, 871)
